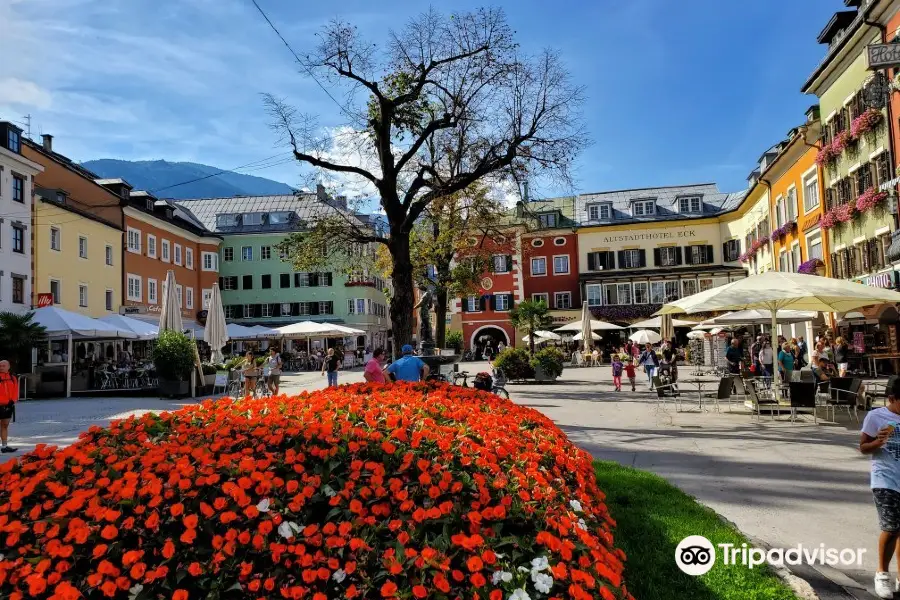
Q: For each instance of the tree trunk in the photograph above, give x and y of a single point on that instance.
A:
(402, 300)
(440, 317)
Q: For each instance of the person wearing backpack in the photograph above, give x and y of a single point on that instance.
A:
(617, 367)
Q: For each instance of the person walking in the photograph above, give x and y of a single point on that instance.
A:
(274, 364)
(734, 356)
(331, 365)
(786, 363)
(617, 368)
(766, 358)
(804, 350)
(250, 372)
(410, 367)
(841, 351)
(9, 395)
(630, 371)
(755, 349)
(650, 362)
(880, 439)
(374, 372)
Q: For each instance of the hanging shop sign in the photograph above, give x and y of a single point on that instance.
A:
(883, 56)
(44, 300)
(886, 280)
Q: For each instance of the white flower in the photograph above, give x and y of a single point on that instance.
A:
(519, 594)
(498, 576)
(134, 591)
(582, 524)
(524, 569)
(539, 564)
(288, 529)
(328, 491)
(542, 582)
(263, 505)
(576, 505)
(339, 575)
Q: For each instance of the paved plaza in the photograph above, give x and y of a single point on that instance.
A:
(782, 484)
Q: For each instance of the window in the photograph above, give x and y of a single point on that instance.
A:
(537, 243)
(790, 203)
(351, 306)
(189, 258)
(688, 287)
(82, 247)
(657, 292)
(248, 311)
(689, 205)
(672, 291)
(229, 311)
(54, 238)
(178, 254)
(210, 261)
(18, 289)
(501, 302)
(151, 245)
(538, 266)
(152, 297)
(701, 255)
(109, 299)
(253, 218)
(561, 265)
(55, 291)
(207, 297)
(784, 261)
(109, 255)
(18, 239)
(227, 220)
(562, 300)
(266, 282)
(164, 255)
(229, 283)
(599, 212)
(544, 297)
(285, 309)
(810, 192)
(179, 293)
(814, 246)
(265, 252)
(360, 306)
(643, 208)
(547, 220)
(631, 259)
(594, 295)
(18, 188)
(134, 240)
(301, 279)
(641, 292)
(189, 297)
(617, 293)
(246, 252)
(266, 310)
(228, 254)
(779, 211)
(326, 308)
(472, 304)
(285, 280)
(732, 250)
(668, 257)
(279, 218)
(502, 263)
(82, 295)
(795, 257)
(247, 282)
(601, 261)
(134, 288)
(13, 141)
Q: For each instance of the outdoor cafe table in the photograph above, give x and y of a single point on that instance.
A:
(699, 383)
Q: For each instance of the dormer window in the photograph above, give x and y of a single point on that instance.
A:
(150, 204)
(125, 192)
(253, 218)
(279, 218)
(547, 220)
(599, 212)
(690, 205)
(227, 220)
(61, 197)
(643, 208)
(14, 140)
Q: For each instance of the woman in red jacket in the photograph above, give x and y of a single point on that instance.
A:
(9, 394)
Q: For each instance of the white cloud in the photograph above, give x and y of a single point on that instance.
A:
(24, 93)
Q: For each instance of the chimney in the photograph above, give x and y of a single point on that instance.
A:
(48, 142)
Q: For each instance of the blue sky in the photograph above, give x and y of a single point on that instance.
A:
(677, 92)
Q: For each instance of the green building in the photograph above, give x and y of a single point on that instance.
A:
(259, 288)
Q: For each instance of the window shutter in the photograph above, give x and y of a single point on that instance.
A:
(465, 304)
(276, 309)
(509, 302)
(509, 262)
(313, 280)
(657, 259)
(688, 255)
(621, 258)
(592, 261)
(492, 299)
(313, 308)
(257, 311)
(643, 258)
(678, 260)
(482, 303)
(709, 254)
(610, 260)
(726, 254)
(221, 283)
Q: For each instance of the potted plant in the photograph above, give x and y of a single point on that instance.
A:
(548, 364)
(515, 364)
(209, 374)
(454, 340)
(173, 357)
(18, 335)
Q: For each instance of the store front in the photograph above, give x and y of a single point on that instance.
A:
(871, 332)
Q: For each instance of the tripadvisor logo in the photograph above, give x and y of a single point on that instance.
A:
(695, 555)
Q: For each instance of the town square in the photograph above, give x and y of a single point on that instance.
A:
(485, 308)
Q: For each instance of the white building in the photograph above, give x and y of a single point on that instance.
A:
(16, 200)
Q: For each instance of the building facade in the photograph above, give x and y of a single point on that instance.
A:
(638, 249)
(260, 288)
(161, 236)
(16, 224)
(78, 235)
(856, 144)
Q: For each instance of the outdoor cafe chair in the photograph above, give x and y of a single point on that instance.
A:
(875, 390)
(803, 398)
(740, 390)
(665, 391)
(762, 398)
(723, 391)
(845, 395)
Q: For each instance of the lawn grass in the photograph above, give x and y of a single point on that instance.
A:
(652, 517)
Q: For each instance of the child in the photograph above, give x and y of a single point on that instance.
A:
(630, 372)
(617, 367)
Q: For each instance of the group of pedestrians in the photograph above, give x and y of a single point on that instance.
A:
(663, 362)
(409, 367)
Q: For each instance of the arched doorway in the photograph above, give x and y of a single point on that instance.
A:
(488, 334)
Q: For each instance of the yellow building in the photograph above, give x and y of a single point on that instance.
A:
(78, 237)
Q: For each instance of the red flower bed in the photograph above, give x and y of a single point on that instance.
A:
(362, 491)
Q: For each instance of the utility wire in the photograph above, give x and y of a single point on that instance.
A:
(247, 167)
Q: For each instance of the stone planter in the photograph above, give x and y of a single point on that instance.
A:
(539, 375)
(209, 379)
(173, 388)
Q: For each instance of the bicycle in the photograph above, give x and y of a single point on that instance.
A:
(262, 387)
(464, 375)
(499, 384)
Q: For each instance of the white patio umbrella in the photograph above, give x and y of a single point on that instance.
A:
(142, 329)
(547, 334)
(236, 331)
(215, 333)
(308, 329)
(537, 339)
(595, 326)
(759, 316)
(578, 337)
(696, 335)
(645, 336)
(170, 315)
(775, 291)
(656, 323)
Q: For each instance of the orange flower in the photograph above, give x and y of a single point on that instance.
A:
(180, 595)
(109, 532)
(388, 589)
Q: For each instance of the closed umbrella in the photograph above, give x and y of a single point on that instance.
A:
(170, 317)
(215, 333)
(585, 327)
(666, 327)
(776, 291)
(645, 336)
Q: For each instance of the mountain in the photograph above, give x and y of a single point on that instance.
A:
(157, 175)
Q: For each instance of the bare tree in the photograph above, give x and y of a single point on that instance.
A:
(450, 100)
